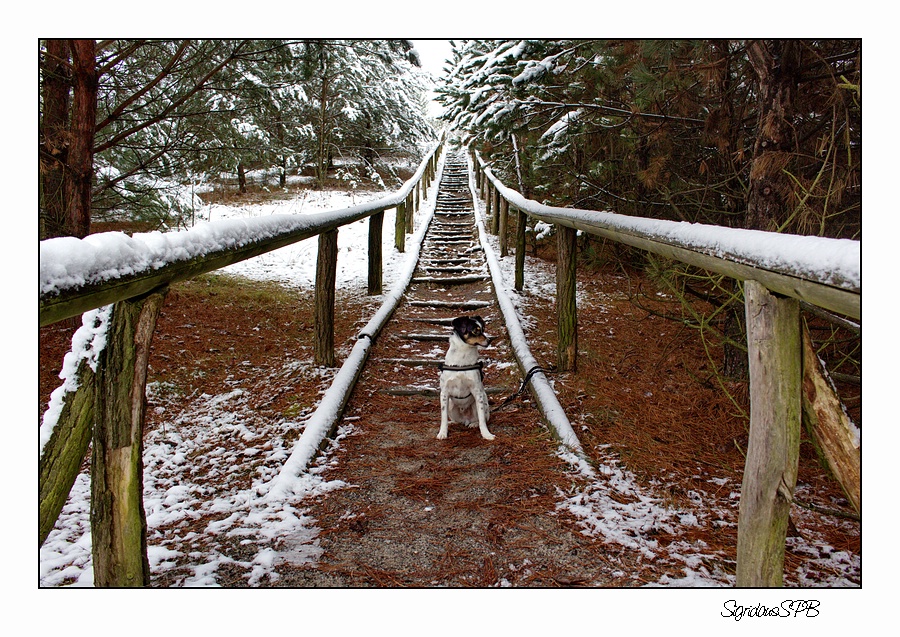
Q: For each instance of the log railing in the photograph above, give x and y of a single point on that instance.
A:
(779, 272)
(133, 274)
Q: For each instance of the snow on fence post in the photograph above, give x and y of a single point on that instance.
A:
(326, 280)
(770, 470)
(566, 310)
(376, 227)
(118, 522)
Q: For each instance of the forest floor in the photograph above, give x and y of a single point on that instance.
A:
(645, 393)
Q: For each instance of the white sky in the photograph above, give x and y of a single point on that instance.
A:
(433, 53)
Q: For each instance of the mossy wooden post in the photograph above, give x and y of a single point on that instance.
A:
(487, 200)
(400, 228)
(521, 220)
(770, 470)
(376, 225)
(64, 452)
(118, 522)
(566, 311)
(326, 278)
(504, 222)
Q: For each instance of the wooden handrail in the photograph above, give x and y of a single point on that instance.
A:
(75, 279)
(723, 250)
(779, 272)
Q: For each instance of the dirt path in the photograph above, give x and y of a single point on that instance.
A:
(455, 512)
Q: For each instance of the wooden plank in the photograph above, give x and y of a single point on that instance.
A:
(770, 471)
(459, 305)
(458, 280)
(434, 392)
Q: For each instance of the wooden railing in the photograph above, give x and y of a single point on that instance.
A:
(134, 274)
(778, 272)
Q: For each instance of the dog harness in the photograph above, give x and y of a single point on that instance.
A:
(465, 368)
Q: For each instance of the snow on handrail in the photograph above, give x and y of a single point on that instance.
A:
(77, 275)
(548, 403)
(822, 271)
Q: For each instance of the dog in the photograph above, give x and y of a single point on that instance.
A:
(463, 399)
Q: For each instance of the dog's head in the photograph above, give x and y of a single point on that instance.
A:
(471, 330)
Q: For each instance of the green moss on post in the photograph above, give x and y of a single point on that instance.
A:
(65, 451)
(118, 523)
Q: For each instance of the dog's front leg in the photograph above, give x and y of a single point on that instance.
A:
(445, 419)
(482, 418)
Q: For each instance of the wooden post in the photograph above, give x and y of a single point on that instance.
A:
(831, 429)
(495, 206)
(65, 451)
(504, 222)
(410, 213)
(400, 228)
(487, 200)
(770, 470)
(566, 311)
(118, 521)
(521, 220)
(326, 276)
(376, 224)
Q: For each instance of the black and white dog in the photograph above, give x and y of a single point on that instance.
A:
(463, 399)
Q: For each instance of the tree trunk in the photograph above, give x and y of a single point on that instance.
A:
(770, 471)
(81, 137)
(322, 158)
(777, 67)
(242, 178)
(118, 522)
(54, 144)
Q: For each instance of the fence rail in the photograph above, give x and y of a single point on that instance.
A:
(77, 275)
(822, 272)
(778, 271)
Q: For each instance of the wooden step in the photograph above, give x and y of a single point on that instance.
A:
(434, 392)
(456, 305)
(458, 280)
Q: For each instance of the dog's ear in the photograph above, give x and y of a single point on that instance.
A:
(458, 323)
(479, 320)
